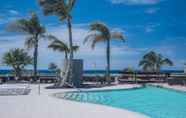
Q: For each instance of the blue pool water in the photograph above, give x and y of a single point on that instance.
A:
(152, 101)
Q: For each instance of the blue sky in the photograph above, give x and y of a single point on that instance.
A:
(148, 25)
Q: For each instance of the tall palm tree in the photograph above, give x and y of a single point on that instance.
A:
(101, 33)
(17, 59)
(153, 62)
(61, 8)
(59, 45)
(54, 68)
(34, 30)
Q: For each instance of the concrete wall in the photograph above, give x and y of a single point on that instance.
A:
(77, 72)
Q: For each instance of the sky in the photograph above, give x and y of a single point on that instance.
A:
(157, 25)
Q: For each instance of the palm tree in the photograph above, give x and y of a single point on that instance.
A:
(34, 30)
(59, 45)
(61, 8)
(153, 62)
(148, 61)
(54, 68)
(101, 33)
(17, 59)
(131, 71)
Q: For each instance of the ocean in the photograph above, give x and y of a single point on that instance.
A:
(87, 72)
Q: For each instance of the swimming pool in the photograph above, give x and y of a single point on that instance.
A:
(152, 101)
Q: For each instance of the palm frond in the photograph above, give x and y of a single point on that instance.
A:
(58, 45)
(51, 37)
(94, 38)
(100, 32)
(60, 8)
(154, 61)
(167, 61)
(30, 42)
(142, 62)
(70, 4)
(89, 37)
(75, 48)
(18, 26)
(117, 35)
(17, 58)
(98, 38)
(30, 26)
(101, 28)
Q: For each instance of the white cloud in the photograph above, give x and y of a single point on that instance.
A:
(121, 55)
(85, 52)
(135, 2)
(118, 30)
(6, 20)
(8, 15)
(13, 12)
(79, 33)
(151, 27)
(2, 21)
(9, 42)
(151, 10)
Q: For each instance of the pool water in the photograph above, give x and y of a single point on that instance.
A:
(152, 101)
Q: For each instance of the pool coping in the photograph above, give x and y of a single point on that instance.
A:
(94, 90)
(117, 89)
(141, 115)
(103, 105)
(107, 89)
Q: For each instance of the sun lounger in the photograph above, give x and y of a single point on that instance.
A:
(14, 90)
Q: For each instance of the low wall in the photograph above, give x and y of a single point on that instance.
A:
(176, 81)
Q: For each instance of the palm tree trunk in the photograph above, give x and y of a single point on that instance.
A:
(71, 47)
(66, 55)
(158, 72)
(108, 62)
(35, 63)
(17, 73)
(70, 37)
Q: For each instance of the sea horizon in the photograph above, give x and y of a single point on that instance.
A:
(88, 71)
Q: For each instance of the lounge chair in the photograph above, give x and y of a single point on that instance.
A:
(14, 90)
